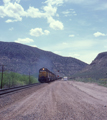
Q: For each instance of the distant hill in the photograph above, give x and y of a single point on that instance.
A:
(97, 69)
(24, 59)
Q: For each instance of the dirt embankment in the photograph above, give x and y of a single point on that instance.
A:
(60, 100)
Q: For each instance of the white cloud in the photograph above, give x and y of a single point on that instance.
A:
(9, 20)
(34, 13)
(46, 32)
(2, 12)
(6, 1)
(97, 34)
(38, 32)
(15, 12)
(69, 12)
(66, 13)
(33, 45)
(57, 52)
(12, 10)
(54, 2)
(50, 11)
(26, 40)
(71, 35)
(55, 24)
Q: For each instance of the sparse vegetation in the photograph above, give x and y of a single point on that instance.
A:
(102, 81)
(12, 79)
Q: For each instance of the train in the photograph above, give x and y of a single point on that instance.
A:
(46, 76)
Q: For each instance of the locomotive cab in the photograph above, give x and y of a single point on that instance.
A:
(42, 75)
(45, 75)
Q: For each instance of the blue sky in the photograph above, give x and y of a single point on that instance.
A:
(71, 28)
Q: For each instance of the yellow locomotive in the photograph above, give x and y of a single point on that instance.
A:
(46, 76)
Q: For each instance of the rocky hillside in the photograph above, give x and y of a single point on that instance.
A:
(24, 59)
(97, 69)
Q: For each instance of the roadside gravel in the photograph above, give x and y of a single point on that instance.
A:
(10, 98)
(60, 100)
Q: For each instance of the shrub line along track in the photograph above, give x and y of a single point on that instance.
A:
(6, 91)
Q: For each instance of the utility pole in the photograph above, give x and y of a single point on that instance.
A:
(29, 77)
(2, 76)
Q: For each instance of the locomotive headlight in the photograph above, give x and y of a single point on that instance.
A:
(43, 69)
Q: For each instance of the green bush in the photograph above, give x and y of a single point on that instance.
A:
(11, 79)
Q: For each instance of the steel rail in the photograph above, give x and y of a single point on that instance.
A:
(6, 91)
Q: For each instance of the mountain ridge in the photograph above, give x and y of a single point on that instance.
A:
(24, 59)
(97, 69)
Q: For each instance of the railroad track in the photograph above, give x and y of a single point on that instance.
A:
(9, 90)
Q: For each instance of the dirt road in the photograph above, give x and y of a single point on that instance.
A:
(60, 100)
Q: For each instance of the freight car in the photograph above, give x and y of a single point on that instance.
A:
(46, 76)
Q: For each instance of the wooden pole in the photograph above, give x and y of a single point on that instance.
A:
(2, 76)
(29, 77)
